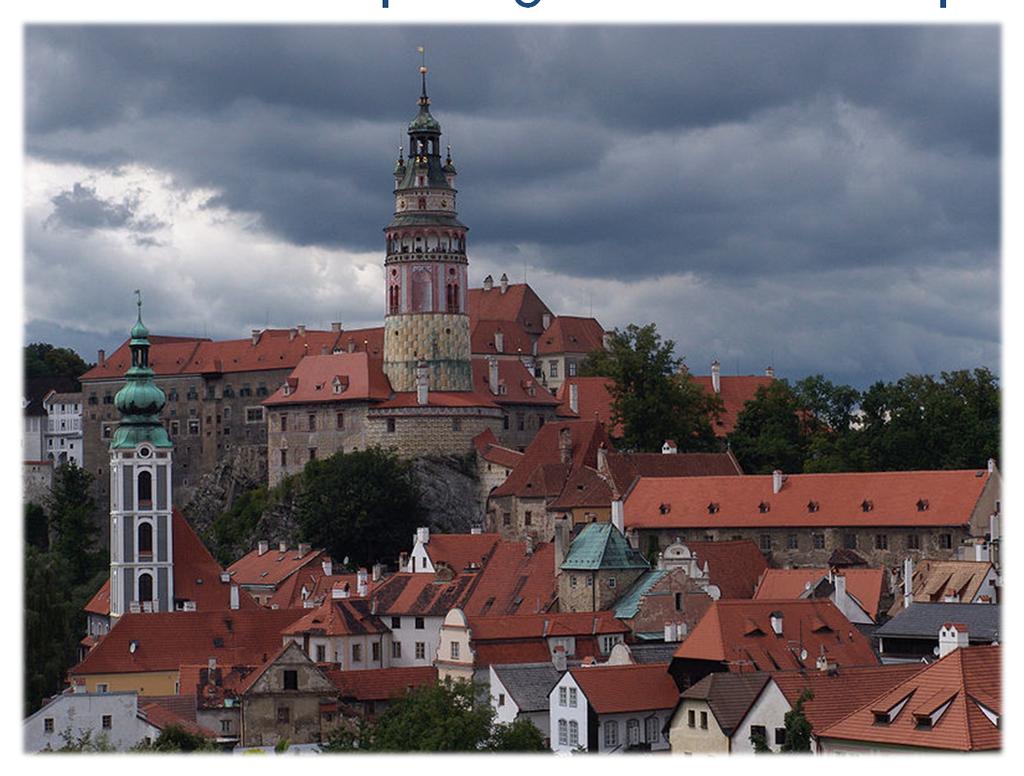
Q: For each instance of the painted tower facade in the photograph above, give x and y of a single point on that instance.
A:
(141, 544)
(426, 268)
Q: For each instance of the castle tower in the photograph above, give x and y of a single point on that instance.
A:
(426, 267)
(141, 545)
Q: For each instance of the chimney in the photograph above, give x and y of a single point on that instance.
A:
(327, 566)
(558, 658)
(336, 327)
(291, 334)
(504, 282)
(422, 384)
(839, 583)
(234, 596)
(361, 587)
(301, 329)
(716, 376)
(777, 480)
(403, 561)
(670, 447)
(377, 572)
(351, 344)
(776, 620)
(423, 534)
(499, 341)
(211, 665)
(618, 517)
(559, 542)
(255, 337)
(529, 544)
(952, 636)
(476, 530)
(304, 548)
(671, 633)
(101, 357)
(545, 320)
(908, 582)
(602, 458)
(574, 397)
(262, 548)
(606, 340)
(565, 445)
(488, 283)
(340, 591)
(991, 461)
(769, 371)
(282, 546)
(492, 375)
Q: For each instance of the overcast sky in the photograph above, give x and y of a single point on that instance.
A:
(824, 199)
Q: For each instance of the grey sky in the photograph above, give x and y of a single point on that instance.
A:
(822, 198)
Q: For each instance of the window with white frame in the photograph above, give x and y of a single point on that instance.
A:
(421, 650)
(573, 697)
(574, 733)
(611, 733)
(633, 732)
(563, 696)
(563, 732)
(651, 725)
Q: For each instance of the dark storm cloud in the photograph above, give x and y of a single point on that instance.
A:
(737, 155)
(79, 208)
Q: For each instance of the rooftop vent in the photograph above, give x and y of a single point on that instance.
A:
(866, 505)
(763, 507)
(813, 506)
(713, 508)
(922, 505)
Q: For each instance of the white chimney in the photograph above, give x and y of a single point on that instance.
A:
(776, 620)
(475, 530)
(488, 283)
(327, 566)
(618, 518)
(574, 397)
(340, 591)
(291, 334)
(670, 632)
(529, 544)
(492, 375)
(716, 377)
(545, 320)
(991, 465)
(839, 583)
(234, 596)
(262, 548)
(255, 336)
(422, 384)
(377, 572)
(336, 327)
(351, 344)
(499, 341)
(558, 658)
(908, 582)
(301, 329)
(361, 587)
(304, 548)
(423, 534)
(606, 340)
(669, 448)
(282, 546)
(776, 480)
(769, 371)
(504, 282)
(602, 458)
(952, 636)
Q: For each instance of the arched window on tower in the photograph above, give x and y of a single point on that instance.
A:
(145, 587)
(393, 300)
(422, 203)
(145, 490)
(145, 541)
(453, 297)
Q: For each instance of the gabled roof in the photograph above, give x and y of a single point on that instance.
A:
(338, 617)
(551, 624)
(422, 595)
(359, 376)
(516, 339)
(625, 468)
(519, 304)
(197, 574)
(273, 566)
(865, 585)
(100, 602)
(955, 692)
(166, 640)
(35, 389)
(514, 581)
(866, 499)
(569, 334)
(602, 546)
(934, 579)
(735, 392)
(729, 696)
(837, 693)
(529, 684)
(253, 676)
(627, 607)
(516, 382)
(379, 684)
(733, 566)
(739, 633)
(487, 447)
(595, 401)
(584, 488)
(162, 715)
(540, 473)
(923, 621)
(627, 688)
(458, 551)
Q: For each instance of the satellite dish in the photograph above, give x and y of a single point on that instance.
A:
(803, 654)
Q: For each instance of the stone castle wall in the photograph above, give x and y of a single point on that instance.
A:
(441, 339)
(417, 433)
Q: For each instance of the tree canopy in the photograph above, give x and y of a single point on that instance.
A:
(652, 398)
(44, 360)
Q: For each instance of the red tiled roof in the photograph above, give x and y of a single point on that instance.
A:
(273, 566)
(519, 303)
(459, 550)
(420, 594)
(380, 684)
(739, 633)
(516, 340)
(167, 640)
(733, 566)
(627, 688)
(838, 500)
(735, 392)
(626, 468)
(838, 693)
(934, 579)
(197, 574)
(584, 488)
(532, 626)
(520, 386)
(540, 471)
(487, 447)
(407, 399)
(968, 677)
(361, 376)
(167, 356)
(100, 603)
(568, 334)
(162, 716)
(500, 653)
(318, 586)
(514, 582)
(595, 401)
(338, 617)
(863, 584)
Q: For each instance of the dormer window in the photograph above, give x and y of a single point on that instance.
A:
(763, 507)
(922, 505)
(664, 508)
(813, 506)
(339, 384)
(713, 508)
(866, 505)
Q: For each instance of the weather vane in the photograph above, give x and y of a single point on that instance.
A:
(138, 295)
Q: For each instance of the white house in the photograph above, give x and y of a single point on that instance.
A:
(63, 432)
(521, 691)
(113, 716)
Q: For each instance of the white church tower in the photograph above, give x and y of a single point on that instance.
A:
(141, 544)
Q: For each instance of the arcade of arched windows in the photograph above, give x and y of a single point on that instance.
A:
(429, 242)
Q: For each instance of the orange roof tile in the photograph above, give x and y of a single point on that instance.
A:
(422, 595)
(197, 574)
(100, 603)
(531, 626)
(161, 716)
(863, 584)
(380, 684)
(360, 376)
(519, 304)
(569, 334)
(934, 579)
(969, 678)
(733, 566)
(167, 356)
(516, 340)
(739, 633)
(457, 551)
(520, 387)
(584, 488)
(408, 399)
(338, 617)
(625, 468)
(838, 500)
(735, 392)
(627, 688)
(487, 447)
(273, 566)
(540, 472)
(595, 401)
(514, 582)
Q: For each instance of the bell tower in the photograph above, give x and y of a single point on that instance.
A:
(141, 545)
(426, 269)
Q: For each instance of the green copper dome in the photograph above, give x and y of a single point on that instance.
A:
(140, 399)
(424, 122)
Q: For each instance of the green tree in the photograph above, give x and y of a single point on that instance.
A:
(231, 532)
(363, 505)
(651, 398)
(175, 738)
(520, 735)
(829, 412)
(83, 742)
(74, 521)
(36, 530)
(770, 431)
(44, 360)
(759, 741)
(798, 729)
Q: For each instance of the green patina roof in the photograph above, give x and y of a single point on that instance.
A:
(424, 122)
(629, 604)
(602, 546)
(140, 399)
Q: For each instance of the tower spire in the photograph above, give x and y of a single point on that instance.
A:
(424, 100)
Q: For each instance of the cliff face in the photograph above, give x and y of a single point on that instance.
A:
(449, 493)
